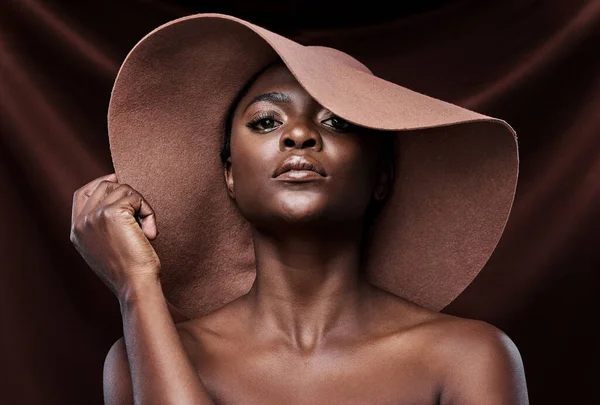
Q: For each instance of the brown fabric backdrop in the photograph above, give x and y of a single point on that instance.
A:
(535, 64)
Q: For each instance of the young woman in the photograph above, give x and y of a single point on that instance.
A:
(311, 329)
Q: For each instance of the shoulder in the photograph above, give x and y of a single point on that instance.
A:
(117, 384)
(452, 341)
(476, 362)
(462, 340)
(470, 361)
(117, 381)
(116, 361)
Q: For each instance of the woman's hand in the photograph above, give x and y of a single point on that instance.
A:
(105, 232)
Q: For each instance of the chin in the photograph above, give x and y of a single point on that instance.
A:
(312, 209)
(300, 209)
(284, 212)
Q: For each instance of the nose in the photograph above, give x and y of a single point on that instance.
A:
(301, 136)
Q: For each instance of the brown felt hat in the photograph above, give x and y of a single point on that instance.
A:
(455, 169)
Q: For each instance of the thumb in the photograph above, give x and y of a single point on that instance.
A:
(142, 212)
(148, 220)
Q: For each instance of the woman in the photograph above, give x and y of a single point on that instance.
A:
(312, 329)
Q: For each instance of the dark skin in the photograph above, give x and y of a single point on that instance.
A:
(311, 330)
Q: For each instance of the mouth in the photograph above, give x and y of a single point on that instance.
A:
(299, 175)
(299, 167)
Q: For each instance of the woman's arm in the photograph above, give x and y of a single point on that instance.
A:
(149, 365)
(105, 231)
(483, 367)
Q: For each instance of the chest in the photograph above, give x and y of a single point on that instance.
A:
(357, 378)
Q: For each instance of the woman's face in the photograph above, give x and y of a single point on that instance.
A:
(276, 120)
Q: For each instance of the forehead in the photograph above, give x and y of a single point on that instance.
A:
(276, 78)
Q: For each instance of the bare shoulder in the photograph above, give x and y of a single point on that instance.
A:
(117, 382)
(476, 361)
(455, 338)
(472, 361)
(460, 340)
(195, 335)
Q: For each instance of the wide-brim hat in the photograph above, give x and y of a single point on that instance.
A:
(455, 169)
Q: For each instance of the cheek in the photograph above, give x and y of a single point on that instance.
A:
(352, 183)
(353, 186)
(353, 173)
(253, 162)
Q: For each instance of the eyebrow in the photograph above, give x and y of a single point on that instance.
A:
(273, 97)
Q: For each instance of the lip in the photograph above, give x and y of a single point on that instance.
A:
(299, 176)
(300, 167)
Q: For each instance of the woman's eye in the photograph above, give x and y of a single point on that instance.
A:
(338, 124)
(263, 124)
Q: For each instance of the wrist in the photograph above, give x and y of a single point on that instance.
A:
(137, 287)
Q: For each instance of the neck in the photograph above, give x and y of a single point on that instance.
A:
(308, 284)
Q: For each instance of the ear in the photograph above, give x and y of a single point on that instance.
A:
(384, 180)
(227, 170)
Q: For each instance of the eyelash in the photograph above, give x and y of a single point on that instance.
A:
(253, 124)
(261, 116)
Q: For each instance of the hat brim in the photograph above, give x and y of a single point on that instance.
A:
(455, 174)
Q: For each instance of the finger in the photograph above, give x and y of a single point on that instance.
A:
(119, 192)
(135, 203)
(81, 196)
(97, 196)
(116, 193)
